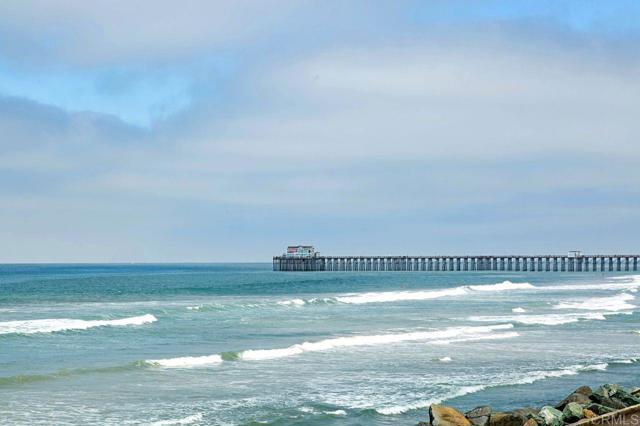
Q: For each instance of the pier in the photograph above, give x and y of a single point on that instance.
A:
(538, 263)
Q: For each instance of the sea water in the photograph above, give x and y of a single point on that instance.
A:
(238, 344)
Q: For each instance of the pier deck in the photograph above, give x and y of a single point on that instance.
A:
(540, 263)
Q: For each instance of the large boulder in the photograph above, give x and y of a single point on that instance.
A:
(479, 416)
(572, 412)
(615, 396)
(530, 422)
(635, 392)
(440, 415)
(584, 390)
(528, 413)
(580, 395)
(551, 416)
(505, 419)
(604, 396)
(599, 409)
(625, 398)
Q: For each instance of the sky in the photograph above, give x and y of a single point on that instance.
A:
(209, 131)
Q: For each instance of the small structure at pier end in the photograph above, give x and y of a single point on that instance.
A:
(305, 258)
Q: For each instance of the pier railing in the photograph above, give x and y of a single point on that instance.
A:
(544, 263)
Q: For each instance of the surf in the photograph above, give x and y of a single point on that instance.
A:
(54, 325)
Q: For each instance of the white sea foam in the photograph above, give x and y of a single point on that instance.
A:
(519, 310)
(369, 340)
(399, 409)
(338, 413)
(445, 359)
(530, 377)
(292, 302)
(612, 303)
(542, 319)
(63, 324)
(497, 336)
(505, 285)
(624, 361)
(186, 361)
(183, 421)
(396, 296)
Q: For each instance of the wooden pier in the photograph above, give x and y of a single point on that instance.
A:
(543, 263)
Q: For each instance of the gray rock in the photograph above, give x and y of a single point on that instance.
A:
(551, 416)
(505, 419)
(572, 412)
(528, 413)
(575, 398)
(625, 398)
(580, 395)
(440, 415)
(599, 409)
(479, 416)
(584, 390)
(601, 396)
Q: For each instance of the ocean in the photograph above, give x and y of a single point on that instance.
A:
(238, 344)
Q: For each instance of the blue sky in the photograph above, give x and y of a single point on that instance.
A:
(223, 131)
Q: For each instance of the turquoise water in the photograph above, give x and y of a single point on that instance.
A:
(242, 345)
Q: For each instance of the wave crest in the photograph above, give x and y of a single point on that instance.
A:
(613, 303)
(396, 296)
(63, 324)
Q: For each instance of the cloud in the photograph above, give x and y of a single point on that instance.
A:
(473, 141)
(90, 33)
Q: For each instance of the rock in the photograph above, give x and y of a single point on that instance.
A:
(607, 390)
(599, 409)
(588, 414)
(584, 390)
(530, 422)
(551, 416)
(422, 424)
(601, 397)
(527, 412)
(625, 398)
(573, 398)
(614, 396)
(572, 412)
(505, 419)
(479, 416)
(440, 415)
(580, 395)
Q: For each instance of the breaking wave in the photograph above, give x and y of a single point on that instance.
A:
(183, 421)
(444, 336)
(546, 319)
(186, 361)
(370, 340)
(504, 381)
(64, 324)
(395, 296)
(613, 303)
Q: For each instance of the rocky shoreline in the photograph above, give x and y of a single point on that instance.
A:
(583, 403)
